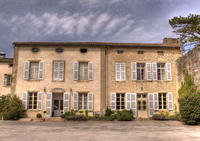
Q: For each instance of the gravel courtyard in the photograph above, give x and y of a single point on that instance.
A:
(98, 131)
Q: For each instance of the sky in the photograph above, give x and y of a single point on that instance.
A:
(133, 21)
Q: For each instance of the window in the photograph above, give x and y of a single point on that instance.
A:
(120, 51)
(140, 71)
(59, 50)
(161, 71)
(83, 71)
(82, 101)
(141, 102)
(32, 100)
(120, 69)
(83, 50)
(58, 70)
(162, 101)
(161, 53)
(140, 52)
(35, 49)
(34, 70)
(7, 79)
(120, 101)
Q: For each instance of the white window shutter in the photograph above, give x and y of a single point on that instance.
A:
(49, 104)
(154, 70)
(90, 70)
(134, 70)
(5, 80)
(113, 101)
(66, 103)
(117, 71)
(55, 71)
(75, 70)
(41, 70)
(75, 101)
(25, 99)
(151, 104)
(170, 101)
(26, 70)
(123, 71)
(156, 106)
(39, 100)
(134, 104)
(90, 101)
(128, 101)
(148, 68)
(61, 70)
(169, 71)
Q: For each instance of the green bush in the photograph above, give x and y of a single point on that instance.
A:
(11, 108)
(108, 112)
(124, 115)
(86, 113)
(106, 118)
(190, 109)
(76, 118)
(159, 117)
(62, 116)
(39, 115)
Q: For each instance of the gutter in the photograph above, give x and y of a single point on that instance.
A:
(106, 54)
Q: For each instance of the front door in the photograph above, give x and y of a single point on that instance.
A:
(57, 104)
(142, 105)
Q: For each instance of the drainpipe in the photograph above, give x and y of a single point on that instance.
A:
(106, 54)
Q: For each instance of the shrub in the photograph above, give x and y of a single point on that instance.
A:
(13, 109)
(86, 113)
(124, 115)
(62, 116)
(108, 112)
(39, 115)
(76, 118)
(159, 117)
(189, 109)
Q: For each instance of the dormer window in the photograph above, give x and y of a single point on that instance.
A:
(120, 51)
(140, 52)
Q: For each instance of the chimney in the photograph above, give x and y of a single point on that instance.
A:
(171, 41)
(2, 55)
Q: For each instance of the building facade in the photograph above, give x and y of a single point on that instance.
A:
(54, 78)
(6, 65)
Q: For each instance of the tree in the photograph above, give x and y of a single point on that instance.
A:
(187, 86)
(188, 28)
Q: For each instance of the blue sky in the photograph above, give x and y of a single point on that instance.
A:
(89, 20)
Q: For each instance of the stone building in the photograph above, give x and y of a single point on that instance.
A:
(5, 74)
(57, 77)
(190, 62)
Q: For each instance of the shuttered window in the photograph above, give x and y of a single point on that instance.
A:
(83, 70)
(34, 71)
(161, 71)
(120, 101)
(32, 100)
(7, 80)
(82, 101)
(162, 101)
(58, 73)
(120, 71)
(140, 71)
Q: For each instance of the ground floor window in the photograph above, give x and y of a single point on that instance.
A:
(120, 101)
(141, 102)
(82, 101)
(32, 100)
(162, 101)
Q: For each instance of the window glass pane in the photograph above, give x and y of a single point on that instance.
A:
(30, 101)
(56, 104)
(34, 70)
(35, 101)
(61, 104)
(80, 101)
(83, 71)
(85, 101)
(144, 105)
(139, 105)
(140, 71)
(160, 101)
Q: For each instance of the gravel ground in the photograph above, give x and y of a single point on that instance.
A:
(147, 130)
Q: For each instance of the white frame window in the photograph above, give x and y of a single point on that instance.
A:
(32, 100)
(58, 70)
(160, 71)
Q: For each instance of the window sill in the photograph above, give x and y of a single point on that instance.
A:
(31, 80)
(83, 80)
(58, 80)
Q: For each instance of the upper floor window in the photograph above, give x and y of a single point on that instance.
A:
(59, 50)
(83, 70)
(35, 49)
(83, 50)
(120, 51)
(161, 71)
(58, 70)
(120, 70)
(140, 52)
(140, 71)
(7, 80)
(33, 70)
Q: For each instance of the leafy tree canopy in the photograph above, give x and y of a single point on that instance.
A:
(188, 28)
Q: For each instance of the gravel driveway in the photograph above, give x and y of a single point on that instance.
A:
(98, 131)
